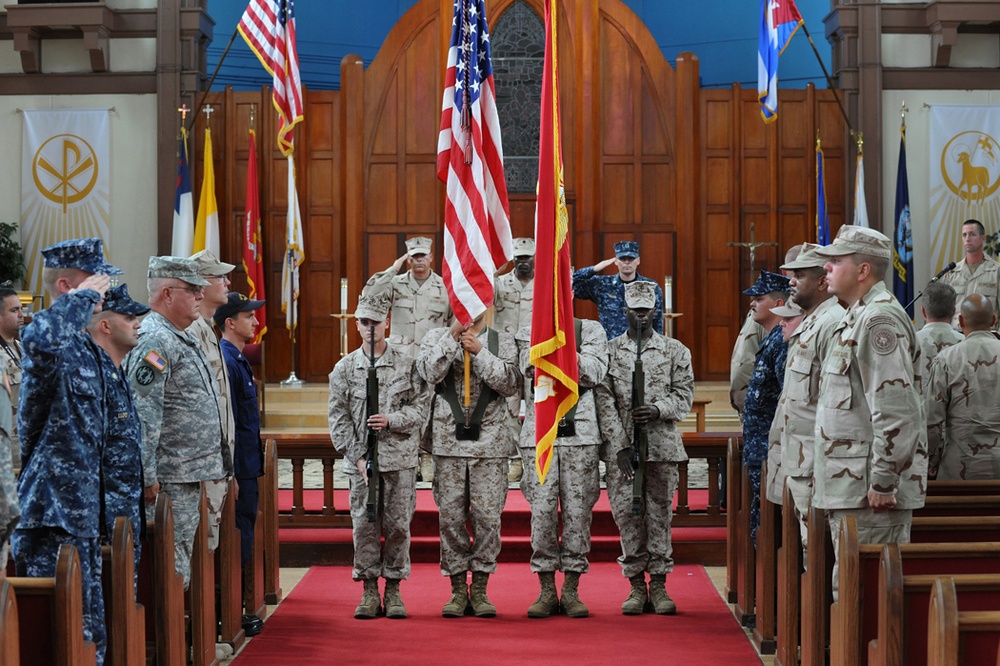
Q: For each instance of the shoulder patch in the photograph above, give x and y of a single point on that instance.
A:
(883, 339)
(144, 375)
(880, 320)
(155, 360)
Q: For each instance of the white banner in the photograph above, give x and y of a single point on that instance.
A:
(964, 176)
(65, 182)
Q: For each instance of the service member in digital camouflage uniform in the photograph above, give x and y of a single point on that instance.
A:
(936, 335)
(871, 431)
(403, 403)
(808, 347)
(62, 420)
(115, 330)
(470, 483)
(769, 291)
(669, 393)
(963, 391)
(573, 483)
(178, 400)
(418, 303)
(978, 272)
(608, 291)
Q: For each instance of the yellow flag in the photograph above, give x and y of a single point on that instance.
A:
(206, 227)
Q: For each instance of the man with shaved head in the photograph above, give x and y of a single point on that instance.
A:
(963, 391)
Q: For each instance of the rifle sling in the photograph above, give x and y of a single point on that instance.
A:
(447, 390)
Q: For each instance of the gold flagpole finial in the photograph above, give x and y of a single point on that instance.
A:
(859, 138)
(903, 110)
(209, 110)
(184, 111)
(818, 144)
(253, 116)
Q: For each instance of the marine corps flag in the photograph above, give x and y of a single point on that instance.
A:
(253, 261)
(553, 343)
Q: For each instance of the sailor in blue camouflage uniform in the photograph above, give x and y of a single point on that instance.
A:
(116, 331)
(178, 400)
(608, 291)
(770, 291)
(62, 424)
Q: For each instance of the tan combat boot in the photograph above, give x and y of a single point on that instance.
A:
(393, 601)
(637, 598)
(459, 601)
(369, 607)
(481, 605)
(547, 603)
(570, 599)
(662, 603)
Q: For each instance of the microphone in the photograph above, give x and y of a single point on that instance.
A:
(947, 269)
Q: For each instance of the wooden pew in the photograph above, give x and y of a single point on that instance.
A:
(939, 541)
(230, 574)
(816, 590)
(253, 582)
(746, 562)
(766, 579)
(9, 639)
(50, 616)
(955, 637)
(269, 533)
(161, 588)
(734, 494)
(789, 586)
(125, 619)
(201, 593)
(903, 600)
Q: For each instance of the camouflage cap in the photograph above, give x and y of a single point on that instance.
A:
(808, 258)
(524, 247)
(117, 299)
(768, 283)
(235, 303)
(180, 268)
(375, 308)
(858, 240)
(788, 310)
(627, 249)
(86, 254)
(209, 264)
(640, 294)
(418, 245)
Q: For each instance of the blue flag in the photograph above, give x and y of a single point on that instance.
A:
(902, 259)
(822, 218)
(183, 235)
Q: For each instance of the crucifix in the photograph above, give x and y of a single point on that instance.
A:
(184, 111)
(208, 114)
(753, 245)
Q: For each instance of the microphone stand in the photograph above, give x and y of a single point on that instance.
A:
(932, 281)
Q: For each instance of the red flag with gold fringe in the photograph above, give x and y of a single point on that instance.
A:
(253, 260)
(553, 340)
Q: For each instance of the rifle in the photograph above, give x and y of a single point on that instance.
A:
(371, 408)
(640, 438)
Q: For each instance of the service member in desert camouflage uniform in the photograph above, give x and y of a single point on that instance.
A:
(470, 483)
(216, 273)
(419, 303)
(963, 391)
(978, 272)
(62, 421)
(937, 334)
(808, 347)
(791, 317)
(871, 431)
(573, 483)
(11, 321)
(178, 400)
(669, 392)
(402, 406)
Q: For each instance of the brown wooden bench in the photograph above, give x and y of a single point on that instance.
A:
(161, 589)
(50, 616)
(125, 619)
(956, 637)
(711, 447)
(903, 600)
(229, 574)
(789, 586)
(9, 640)
(201, 593)
(269, 533)
(766, 572)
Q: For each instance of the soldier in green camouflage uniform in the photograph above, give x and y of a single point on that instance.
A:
(573, 483)
(669, 392)
(937, 334)
(978, 272)
(871, 431)
(178, 400)
(419, 303)
(470, 483)
(963, 391)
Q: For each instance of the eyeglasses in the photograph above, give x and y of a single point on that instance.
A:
(191, 288)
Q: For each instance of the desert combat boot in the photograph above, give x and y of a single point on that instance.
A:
(547, 602)
(481, 605)
(637, 599)
(370, 603)
(458, 605)
(570, 598)
(662, 603)
(393, 601)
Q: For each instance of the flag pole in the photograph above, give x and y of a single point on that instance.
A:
(829, 79)
(292, 381)
(218, 65)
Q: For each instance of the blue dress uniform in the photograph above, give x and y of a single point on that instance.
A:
(608, 291)
(62, 425)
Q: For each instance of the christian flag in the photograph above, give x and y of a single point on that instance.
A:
(477, 237)
(206, 227)
(902, 256)
(553, 343)
(253, 262)
(183, 236)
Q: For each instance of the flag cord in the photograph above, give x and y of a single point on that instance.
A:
(208, 88)
(829, 79)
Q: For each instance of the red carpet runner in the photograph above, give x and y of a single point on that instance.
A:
(315, 625)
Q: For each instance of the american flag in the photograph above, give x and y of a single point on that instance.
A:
(268, 27)
(477, 237)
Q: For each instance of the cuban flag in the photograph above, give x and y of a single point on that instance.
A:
(779, 20)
